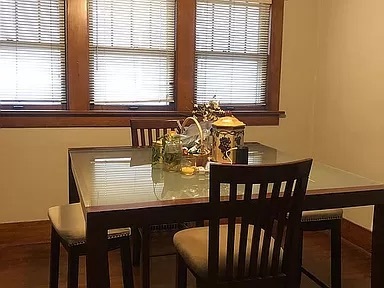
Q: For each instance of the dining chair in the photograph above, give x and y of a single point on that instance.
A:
(262, 206)
(68, 228)
(143, 132)
(320, 220)
(146, 130)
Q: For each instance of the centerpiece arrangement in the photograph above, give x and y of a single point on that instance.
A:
(208, 132)
(197, 137)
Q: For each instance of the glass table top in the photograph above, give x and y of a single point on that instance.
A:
(124, 175)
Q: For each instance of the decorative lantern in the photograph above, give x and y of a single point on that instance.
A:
(228, 133)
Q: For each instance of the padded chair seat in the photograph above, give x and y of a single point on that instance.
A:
(321, 215)
(192, 245)
(68, 221)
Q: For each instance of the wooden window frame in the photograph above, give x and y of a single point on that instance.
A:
(78, 112)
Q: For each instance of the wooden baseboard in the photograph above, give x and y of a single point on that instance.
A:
(23, 233)
(357, 235)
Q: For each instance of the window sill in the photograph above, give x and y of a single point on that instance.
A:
(39, 119)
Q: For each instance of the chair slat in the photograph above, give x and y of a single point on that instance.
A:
(242, 248)
(141, 126)
(281, 224)
(213, 249)
(230, 248)
(231, 235)
(253, 266)
(142, 138)
(268, 226)
(244, 235)
(150, 136)
(214, 223)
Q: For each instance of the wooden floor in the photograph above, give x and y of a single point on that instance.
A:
(27, 266)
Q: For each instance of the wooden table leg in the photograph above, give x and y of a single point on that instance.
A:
(377, 272)
(294, 277)
(97, 254)
(145, 257)
(72, 189)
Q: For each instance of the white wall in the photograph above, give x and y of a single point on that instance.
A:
(295, 133)
(348, 123)
(33, 173)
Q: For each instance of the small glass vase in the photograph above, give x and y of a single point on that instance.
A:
(157, 154)
(172, 153)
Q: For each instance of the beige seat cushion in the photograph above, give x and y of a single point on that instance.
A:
(69, 223)
(321, 215)
(192, 245)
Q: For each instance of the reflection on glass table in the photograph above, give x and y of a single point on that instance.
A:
(171, 185)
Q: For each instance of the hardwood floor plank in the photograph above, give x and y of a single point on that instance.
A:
(26, 266)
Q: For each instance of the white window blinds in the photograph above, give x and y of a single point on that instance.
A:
(32, 52)
(132, 51)
(232, 46)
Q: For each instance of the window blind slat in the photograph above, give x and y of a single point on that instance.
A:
(132, 52)
(32, 52)
(232, 46)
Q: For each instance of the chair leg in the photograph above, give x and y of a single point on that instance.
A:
(300, 256)
(145, 257)
(126, 264)
(199, 283)
(54, 260)
(181, 272)
(136, 246)
(73, 269)
(336, 254)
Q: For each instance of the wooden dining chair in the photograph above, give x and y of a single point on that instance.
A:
(262, 206)
(146, 130)
(68, 228)
(321, 220)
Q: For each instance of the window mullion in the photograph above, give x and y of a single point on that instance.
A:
(77, 55)
(274, 60)
(185, 54)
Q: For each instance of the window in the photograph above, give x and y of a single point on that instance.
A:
(132, 51)
(32, 53)
(100, 62)
(232, 41)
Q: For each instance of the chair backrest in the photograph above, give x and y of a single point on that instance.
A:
(146, 130)
(267, 200)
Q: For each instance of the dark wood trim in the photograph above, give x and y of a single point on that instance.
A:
(22, 108)
(356, 235)
(274, 61)
(63, 121)
(132, 108)
(185, 54)
(77, 57)
(260, 120)
(109, 118)
(23, 233)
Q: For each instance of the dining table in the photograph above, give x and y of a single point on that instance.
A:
(118, 187)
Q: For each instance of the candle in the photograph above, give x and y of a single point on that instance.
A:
(188, 170)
